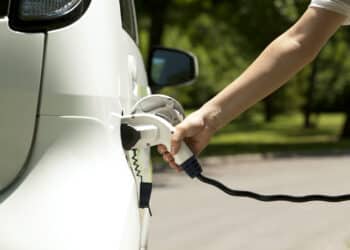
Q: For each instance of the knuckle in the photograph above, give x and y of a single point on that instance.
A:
(165, 158)
(161, 149)
(169, 157)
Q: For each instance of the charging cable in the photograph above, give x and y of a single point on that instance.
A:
(146, 130)
(194, 170)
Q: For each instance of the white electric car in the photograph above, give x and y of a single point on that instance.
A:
(69, 71)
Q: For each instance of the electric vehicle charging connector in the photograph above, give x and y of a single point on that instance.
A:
(142, 130)
(152, 130)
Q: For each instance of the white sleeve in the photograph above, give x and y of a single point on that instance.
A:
(340, 6)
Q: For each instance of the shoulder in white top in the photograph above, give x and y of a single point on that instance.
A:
(339, 6)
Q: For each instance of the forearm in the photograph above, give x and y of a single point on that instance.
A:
(276, 65)
(282, 59)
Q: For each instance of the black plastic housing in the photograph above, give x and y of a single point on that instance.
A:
(192, 167)
(145, 194)
(4, 4)
(129, 135)
(17, 22)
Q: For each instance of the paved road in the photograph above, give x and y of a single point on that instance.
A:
(191, 215)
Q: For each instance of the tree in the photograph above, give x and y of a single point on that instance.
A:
(227, 35)
(346, 92)
(308, 107)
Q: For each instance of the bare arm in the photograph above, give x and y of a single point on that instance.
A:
(281, 60)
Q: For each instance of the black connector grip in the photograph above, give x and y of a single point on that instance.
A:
(129, 135)
(192, 167)
(145, 194)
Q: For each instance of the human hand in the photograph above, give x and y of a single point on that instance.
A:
(195, 130)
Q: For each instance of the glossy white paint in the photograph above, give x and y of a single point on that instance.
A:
(90, 67)
(79, 192)
(86, 64)
(136, 72)
(20, 71)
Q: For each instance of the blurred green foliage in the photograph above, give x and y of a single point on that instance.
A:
(283, 135)
(227, 35)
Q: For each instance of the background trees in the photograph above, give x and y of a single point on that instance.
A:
(227, 35)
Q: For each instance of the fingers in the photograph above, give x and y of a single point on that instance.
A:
(162, 149)
(188, 130)
(168, 158)
(190, 127)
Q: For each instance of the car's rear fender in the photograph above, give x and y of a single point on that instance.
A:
(78, 192)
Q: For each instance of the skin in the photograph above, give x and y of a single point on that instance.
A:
(280, 61)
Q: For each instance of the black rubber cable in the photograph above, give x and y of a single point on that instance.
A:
(271, 198)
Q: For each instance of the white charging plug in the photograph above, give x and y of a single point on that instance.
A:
(152, 130)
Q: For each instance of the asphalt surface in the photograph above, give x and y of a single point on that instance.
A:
(190, 215)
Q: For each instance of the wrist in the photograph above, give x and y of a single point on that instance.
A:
(211, 116)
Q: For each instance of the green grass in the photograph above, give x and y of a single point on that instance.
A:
(283, 135)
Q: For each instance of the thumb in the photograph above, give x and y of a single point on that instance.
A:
(188, 128)
(176, 139)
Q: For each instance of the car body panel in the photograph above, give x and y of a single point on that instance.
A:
(137, 79)
(84, 65)
(78, 192)
(21, 58)
(136, 75)
(78, 189)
